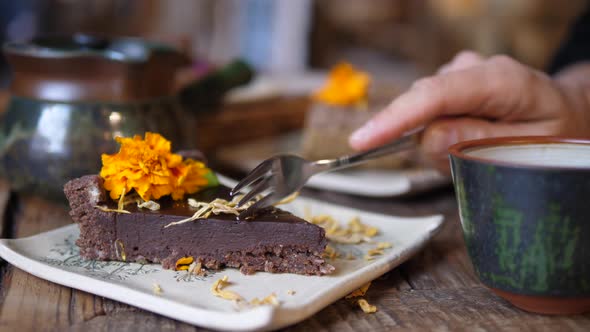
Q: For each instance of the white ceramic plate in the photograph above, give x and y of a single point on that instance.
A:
(378, 183)
(54, 256)
(362, 182)
(267, 86)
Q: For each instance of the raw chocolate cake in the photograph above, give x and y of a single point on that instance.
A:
(328, 124)
(327, 129)
(274, 241)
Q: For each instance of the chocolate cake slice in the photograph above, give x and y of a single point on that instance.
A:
(274, 241)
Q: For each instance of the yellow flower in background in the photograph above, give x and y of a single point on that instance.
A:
(345, 86)
(150, 168)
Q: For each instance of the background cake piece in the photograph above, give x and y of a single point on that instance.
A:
(327, 128)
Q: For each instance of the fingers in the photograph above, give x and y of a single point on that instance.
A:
(490, 90)
(443, 133)
(463, 60)
(449, 94)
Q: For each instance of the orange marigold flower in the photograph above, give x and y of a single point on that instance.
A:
(150, 168)
(345, 86)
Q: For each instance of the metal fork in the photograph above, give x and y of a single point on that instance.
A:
(284, 174)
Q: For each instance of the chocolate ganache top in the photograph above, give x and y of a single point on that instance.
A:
(217, 233)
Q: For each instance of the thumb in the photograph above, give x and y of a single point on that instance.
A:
(441, 134)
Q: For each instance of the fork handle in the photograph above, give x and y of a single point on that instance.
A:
(409, 140)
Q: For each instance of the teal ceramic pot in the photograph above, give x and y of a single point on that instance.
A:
(43, 144)
(525, 214)
(71, 96)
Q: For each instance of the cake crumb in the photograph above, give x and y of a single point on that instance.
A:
(291, 292)
(359, 292)
(157, 289)
(366, 307)
(94, 194)
(196, 268)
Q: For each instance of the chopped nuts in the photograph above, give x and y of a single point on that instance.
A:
(359, 292)
(121, 204)
(217, 290)
(377, 250)
(288, 199)
(271, 300)
(357, 226)
(106, 209)
(216, 207)
(157, 289)
(384, 245)
(183, 263)
(331, 253)
(355, 232)
(150, 205)
(120, 250)
(367, 308)
(222, 206)
(128, 199)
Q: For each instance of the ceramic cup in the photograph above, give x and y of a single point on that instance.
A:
(524, 204)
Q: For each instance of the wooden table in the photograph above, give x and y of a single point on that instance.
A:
(435, 290)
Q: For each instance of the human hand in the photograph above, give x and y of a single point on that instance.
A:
(472, 97)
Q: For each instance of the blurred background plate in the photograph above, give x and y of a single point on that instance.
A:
(266, 86)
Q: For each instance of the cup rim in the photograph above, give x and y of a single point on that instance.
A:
(457, 150)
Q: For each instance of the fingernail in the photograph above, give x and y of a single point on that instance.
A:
(360, 136)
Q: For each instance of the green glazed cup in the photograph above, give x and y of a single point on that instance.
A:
(525, 213)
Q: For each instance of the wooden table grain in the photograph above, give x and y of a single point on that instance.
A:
(434, 290)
